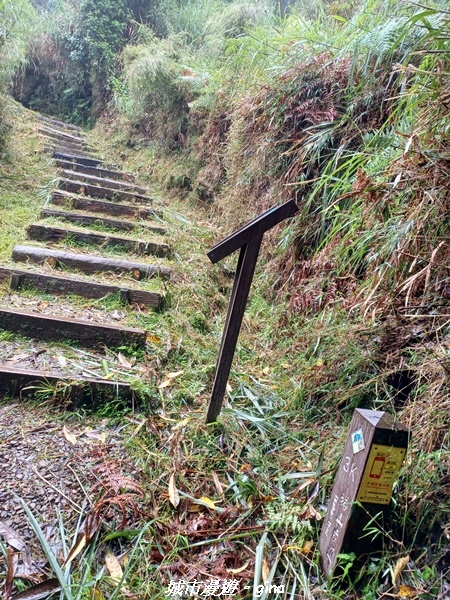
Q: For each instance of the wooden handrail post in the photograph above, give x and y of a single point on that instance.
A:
(248, 239)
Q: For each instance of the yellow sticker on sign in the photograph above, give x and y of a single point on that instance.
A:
(382, 468)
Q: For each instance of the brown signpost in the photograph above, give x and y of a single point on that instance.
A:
(373, 455)
(248, 239)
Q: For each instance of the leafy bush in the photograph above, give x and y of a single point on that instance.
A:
(154, 90)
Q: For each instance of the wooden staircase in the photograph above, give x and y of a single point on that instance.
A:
(112, 229)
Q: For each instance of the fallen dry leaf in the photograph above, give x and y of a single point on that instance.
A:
(62, 361)
(217, 483)
(181, 424)
(399, 567)
(265, 570)
(175, 374)
(95, 434)
(169, 379)
(124, 362)
(79, 544)
(406, 591)
(12, 538)
(164, 384)
(114, 568)
(174, 496)
(41, 590)
(70, 437)
(239, 570)
(154, 339)
(117, 315)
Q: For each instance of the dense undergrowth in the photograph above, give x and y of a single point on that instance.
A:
(231, 108)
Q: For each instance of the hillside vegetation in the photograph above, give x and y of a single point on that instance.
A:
(229, 108)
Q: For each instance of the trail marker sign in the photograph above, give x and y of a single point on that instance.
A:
(248, 239)
(373, 456)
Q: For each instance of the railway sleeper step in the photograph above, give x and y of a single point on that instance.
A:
(117, 209)
(97, 171)
(89, 220)
(97, 191)
(52, 284)
(87, 390)
(51, 148)
(87, 333)
(57, 123)
(88, 263)
(60, 135)
(104, 182)
(49, 233)
(89, 161)
(50, 143)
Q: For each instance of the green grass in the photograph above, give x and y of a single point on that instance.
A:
(25, 172)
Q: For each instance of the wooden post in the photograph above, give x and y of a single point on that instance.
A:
(248, 239)
(124, 296)
(373, 455)
(16, 282)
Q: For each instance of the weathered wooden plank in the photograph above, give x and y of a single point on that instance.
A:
(52, 146)
(104, 182)
(58, 134)
(25, 382)
(58, 123)
(86, 333)
(81, 187)
(88, 263)
(87, 289)
(90, 161)
(65, 145)
(97, 171)
(119, 224)
(85, 203)
(54, 234)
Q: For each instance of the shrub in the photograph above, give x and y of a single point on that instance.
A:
(154, 92)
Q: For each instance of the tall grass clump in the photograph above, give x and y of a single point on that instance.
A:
(155, 90)
(202, 20)
(15, 22)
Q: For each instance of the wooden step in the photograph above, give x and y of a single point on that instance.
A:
(25, 382)
(80, 159)
(52, 147)
(88, 263)
(60, 135)
(86, 333)
(48, 233)
(58, 123)
(55, 143)
(112, 184)
(51, 284)
(84, 203)
(97, 171)
(89, 220)
(80, 187)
